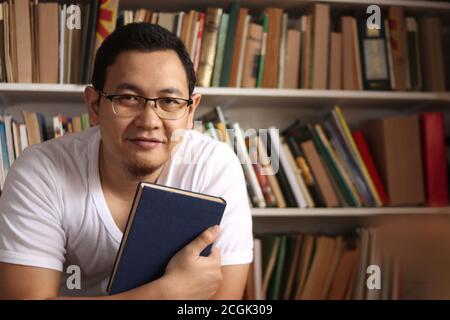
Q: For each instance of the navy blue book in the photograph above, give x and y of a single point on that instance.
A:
(162, 221)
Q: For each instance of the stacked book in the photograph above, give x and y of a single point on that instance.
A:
(318, 267)
(233, 48)
(395, 161)
(15, 136)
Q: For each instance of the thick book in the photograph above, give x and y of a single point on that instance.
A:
(91, 14)
(271, 60)
(432, 58)
(374, 58)
(238, 42)
(229, 44)
(275, 281)
(434, 158)
(292, 59)
(395, 143)
(162, 221)
(350, 61)
(320, 46)
(208, 52)
(398, 44)
(413, 49)
(218, 60)
(22, 36)
(363, 149)
(335, 61)
(48, 42)
(252, 55)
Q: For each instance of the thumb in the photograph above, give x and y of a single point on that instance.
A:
(204, 239)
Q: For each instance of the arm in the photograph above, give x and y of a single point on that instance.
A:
(25, 282)
(234, 278)
(187, 276)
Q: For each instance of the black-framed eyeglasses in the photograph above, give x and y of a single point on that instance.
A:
(130, 105)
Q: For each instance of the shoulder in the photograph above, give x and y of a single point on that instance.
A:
(55, 159)
(214, 161)
(60, 151)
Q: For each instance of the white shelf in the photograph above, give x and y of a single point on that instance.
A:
(336, 94)
(346, 212)
(18, 92)
(6, 88)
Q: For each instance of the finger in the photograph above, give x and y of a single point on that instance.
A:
(204, 239)
(215, 254)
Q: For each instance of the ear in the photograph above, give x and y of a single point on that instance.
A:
(196, 98)
(91, 99)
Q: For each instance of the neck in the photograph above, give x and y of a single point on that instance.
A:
(116, 179)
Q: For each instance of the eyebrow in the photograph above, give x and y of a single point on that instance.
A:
(170, 90)
(132, 87)
(128, 86)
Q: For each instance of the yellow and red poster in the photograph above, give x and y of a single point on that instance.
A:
(106, 20)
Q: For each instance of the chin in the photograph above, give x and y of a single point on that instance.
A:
(141, 167)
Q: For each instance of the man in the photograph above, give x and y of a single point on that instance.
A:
(66, 201)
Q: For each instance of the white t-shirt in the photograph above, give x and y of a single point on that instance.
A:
(53, 213)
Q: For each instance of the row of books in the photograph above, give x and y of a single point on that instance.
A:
(48, 42)
(394, 161)
(233, 48)
(15, 136)
(319, 267)
(310, 51)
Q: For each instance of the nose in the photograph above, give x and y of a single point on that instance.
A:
(148, 119)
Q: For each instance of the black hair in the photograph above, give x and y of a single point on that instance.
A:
(143, 37)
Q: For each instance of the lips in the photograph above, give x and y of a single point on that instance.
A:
(146, 143)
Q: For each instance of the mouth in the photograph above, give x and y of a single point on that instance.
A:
(146, 143)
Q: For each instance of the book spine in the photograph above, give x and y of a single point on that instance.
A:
(229, 45)
(209, 45)
(284, 162)
(263, 52)
(435, 164)
(366, 156)
(198, 43)
(218, 62)
(241, 151)
(352, 146)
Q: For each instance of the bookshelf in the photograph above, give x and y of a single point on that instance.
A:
(20, 92)
(292, 5)
(261, 107)
(347, 212)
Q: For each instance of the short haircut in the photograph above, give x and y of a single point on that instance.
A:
(144, 37)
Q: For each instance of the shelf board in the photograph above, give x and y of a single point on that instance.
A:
(338, 94)
(9, 88)
(19, 92)
(346, 212)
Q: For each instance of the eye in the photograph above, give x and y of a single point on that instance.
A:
(168, 101)
(129, 98)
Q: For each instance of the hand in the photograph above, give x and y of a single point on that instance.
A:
(191, 276)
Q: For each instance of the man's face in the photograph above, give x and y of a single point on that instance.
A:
(143, 143)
